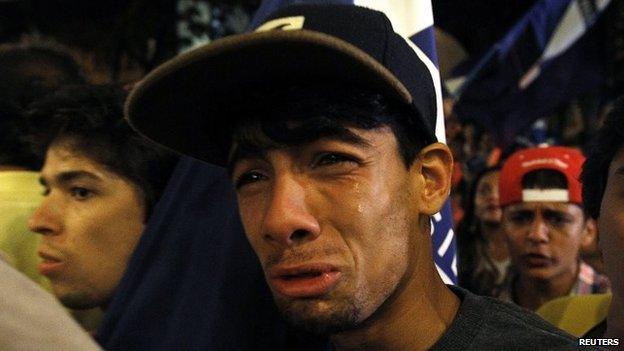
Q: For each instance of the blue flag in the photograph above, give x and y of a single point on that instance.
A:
(553, 54)
(412, 19)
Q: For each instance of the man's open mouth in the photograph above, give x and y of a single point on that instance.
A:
(305, 280)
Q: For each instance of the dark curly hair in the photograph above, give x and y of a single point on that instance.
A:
(89, 119)
(608, 141)
(28, 71)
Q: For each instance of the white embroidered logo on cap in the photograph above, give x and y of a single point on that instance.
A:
(285, 23)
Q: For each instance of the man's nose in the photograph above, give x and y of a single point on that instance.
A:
(539, 231)
(45, 220)
(494, 196)
(287, 218)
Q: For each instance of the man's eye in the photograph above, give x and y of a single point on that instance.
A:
(331, 158)
(80, 193)
(555, 219)
(520, 219)
(248, 178)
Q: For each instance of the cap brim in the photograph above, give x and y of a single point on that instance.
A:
(185, 104)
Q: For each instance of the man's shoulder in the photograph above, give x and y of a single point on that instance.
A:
(484, 323)
(506, 324)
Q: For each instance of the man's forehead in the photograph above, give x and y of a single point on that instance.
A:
(63, 161)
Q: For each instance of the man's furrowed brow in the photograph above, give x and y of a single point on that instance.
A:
(239, 154)
(347, 137)
(257, 146)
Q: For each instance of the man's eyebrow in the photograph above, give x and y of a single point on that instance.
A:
(553, 211)
(259, 152)
(69, 176)
(244, 154)
(520, 211)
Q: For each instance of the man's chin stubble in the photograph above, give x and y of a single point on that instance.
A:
(305, 315)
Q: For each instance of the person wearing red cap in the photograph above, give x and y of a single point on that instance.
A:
(545, 226)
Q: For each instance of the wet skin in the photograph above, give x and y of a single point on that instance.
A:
(333, 225)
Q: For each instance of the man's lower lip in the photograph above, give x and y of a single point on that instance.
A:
(306, 286)
(537, 261)
(49, 267)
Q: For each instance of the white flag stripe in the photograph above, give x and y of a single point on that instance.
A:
(454, 265)
(435, 74)
(445, 278)
(437, 217)
(407, 17)
(571, 27)
(446, 243)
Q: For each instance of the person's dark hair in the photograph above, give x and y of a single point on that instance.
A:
(14, 151)
(544, 179)
(471, 245)
(607, 142)
(299, 115)
(89, 120)
(28, 71)
(32, 69)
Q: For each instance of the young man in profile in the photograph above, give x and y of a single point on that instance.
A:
(325, 118)
(101, 180)
(545, 227)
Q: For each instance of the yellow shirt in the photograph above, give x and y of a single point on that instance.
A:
(20, 195)
(576, 314)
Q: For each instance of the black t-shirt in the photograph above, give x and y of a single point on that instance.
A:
(484, 324)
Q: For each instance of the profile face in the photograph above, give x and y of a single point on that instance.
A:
(332, 223)
(611, 224)
(91, 220)
(486, 203)
(544, 238)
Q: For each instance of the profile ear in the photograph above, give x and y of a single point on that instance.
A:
(590, 234)
(434, 167)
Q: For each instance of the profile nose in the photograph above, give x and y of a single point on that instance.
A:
(539, 231)
(494, 196)
(287, 219)
(45, 219)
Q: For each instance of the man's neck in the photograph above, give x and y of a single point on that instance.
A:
(413, 318)
(532, 293)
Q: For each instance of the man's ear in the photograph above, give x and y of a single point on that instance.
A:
(590, 235)
(434, 167)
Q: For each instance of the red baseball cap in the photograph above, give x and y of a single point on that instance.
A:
(566, 160)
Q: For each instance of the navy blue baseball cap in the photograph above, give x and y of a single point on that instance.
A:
(185, 104)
